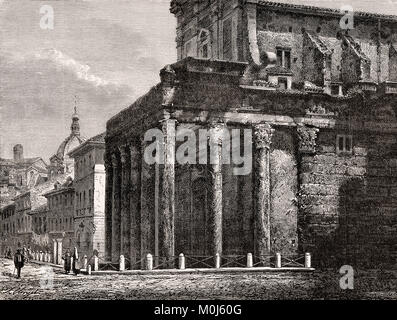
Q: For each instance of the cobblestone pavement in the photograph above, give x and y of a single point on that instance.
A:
(253, 286)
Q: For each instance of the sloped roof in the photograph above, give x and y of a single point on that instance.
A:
(321, 46)
(97, 140)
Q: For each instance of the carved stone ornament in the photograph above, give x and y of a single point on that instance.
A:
(263, 136)
(307, 139)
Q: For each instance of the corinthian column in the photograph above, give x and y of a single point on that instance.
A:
(116, 228)
(167, 194)
(215, 170)
(262, 140)
(135, 206)
(125, 201)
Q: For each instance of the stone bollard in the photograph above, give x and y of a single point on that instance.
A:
(122, 263)
(308, 260)
(41, 256)
(278, 260)
(45, 257)
(89, 269)
(36, 256)
(217, 261)
(96, 263)
(250, 261)
(85, 262)
(149, 262)
(182, 262)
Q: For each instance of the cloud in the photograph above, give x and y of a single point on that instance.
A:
(82, 71)
(37, 99)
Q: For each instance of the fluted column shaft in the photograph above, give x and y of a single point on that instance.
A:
(116, 216)
(125, 201)
(167, 194)
(262, 141)
(216, 194)
(135, 206)
(108, 209)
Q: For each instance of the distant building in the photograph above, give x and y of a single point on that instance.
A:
(59, 218)
(25, 221)
(20, 174)
(89, 186)
(8, 234)
(60, 161)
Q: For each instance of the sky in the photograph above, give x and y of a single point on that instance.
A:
(101, 55)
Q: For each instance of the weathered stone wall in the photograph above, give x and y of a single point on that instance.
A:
(285, 29)
(348, 201)
(284, 188)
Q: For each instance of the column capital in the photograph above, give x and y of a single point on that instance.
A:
(263, 134)
(115, 160)
(123, 153)
(307, 139)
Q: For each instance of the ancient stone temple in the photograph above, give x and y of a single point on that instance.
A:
(310, 107)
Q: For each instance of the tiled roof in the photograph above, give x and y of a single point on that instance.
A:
(98, 139)
(324, 11)
(37, 198)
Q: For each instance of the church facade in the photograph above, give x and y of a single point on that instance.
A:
(318, 104)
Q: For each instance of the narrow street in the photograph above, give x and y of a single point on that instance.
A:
(289, 285)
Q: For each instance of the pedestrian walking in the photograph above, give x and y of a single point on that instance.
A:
(68, 261)
(9, 253)
(76, 262)
(29, 255)
(25, 253)
(19, 261)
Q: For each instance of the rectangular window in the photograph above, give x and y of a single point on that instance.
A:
(284, 58)
(227, 40)
(344, 144)
(283, 83)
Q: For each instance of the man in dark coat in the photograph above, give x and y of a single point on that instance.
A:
(68, 261)
(19, 261)
(76, 262)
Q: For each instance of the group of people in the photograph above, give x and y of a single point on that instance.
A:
(22, 256)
